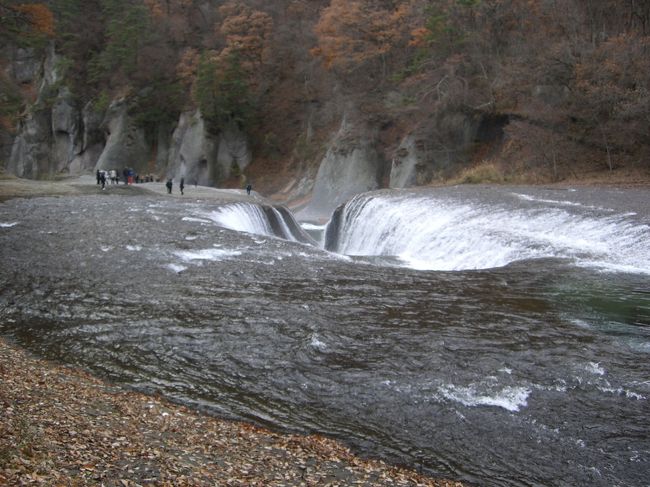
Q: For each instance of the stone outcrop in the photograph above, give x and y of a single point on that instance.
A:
(192, 151)
(26, 65)
(54, 137)
(30, 152)
(203, 158)
(67, 138)
(404, 166)
(60, 137)
(126, 144)
(234, 154)
(351, 166)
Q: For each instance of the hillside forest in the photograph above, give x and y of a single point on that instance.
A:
(547, 89)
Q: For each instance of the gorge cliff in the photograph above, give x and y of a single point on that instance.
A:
(318, 101)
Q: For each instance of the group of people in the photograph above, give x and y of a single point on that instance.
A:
(129, 177)
(170, 183)
(104, 176)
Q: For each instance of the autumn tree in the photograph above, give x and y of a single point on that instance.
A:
(353, 33)
(612, 95)
(222, 93)
(25, 23)
(247, 33)
(128, 30)
(78, 43)
(172, 17)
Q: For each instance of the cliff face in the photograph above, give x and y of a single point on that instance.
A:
(313, 102)
(56, 137)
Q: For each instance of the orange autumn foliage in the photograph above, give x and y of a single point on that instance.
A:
(39, 16)
(351, 33)
(247, 32)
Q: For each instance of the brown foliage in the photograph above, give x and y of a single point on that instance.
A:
(351, 33)
(188, 65)
(39, 16)
(247, 32)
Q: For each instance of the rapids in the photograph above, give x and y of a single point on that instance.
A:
(495, 335)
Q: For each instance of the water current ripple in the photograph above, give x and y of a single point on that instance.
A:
(534, 372)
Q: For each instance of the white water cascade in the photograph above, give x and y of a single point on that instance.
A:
(450, 232)
(259, 220)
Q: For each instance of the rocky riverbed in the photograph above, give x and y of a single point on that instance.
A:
(62, 426)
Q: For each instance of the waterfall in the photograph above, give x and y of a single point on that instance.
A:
(454, 232)
(260, 220)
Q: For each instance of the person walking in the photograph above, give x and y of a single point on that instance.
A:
(248, 189)
(169, 186)
(102, 179)
(182, 185)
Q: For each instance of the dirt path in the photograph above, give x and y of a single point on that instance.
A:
(11, 187)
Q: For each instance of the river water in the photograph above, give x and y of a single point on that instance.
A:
(499, 336)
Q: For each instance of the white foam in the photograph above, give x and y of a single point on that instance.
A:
(595, 368)
(197, 220)
(313, 227)
(133, 248)
(526, 197)
(443, 233)
(8, 225)
(206, 254)
(619, 391)
(581, 323)
(510, 398)
(242, 217)
(176, 268)
(317, 343)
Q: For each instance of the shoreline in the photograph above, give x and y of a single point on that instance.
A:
(13, 187)
(60, 425)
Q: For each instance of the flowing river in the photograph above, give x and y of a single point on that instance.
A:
(496, 335)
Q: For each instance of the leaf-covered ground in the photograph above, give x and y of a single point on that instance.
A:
(62, 427)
